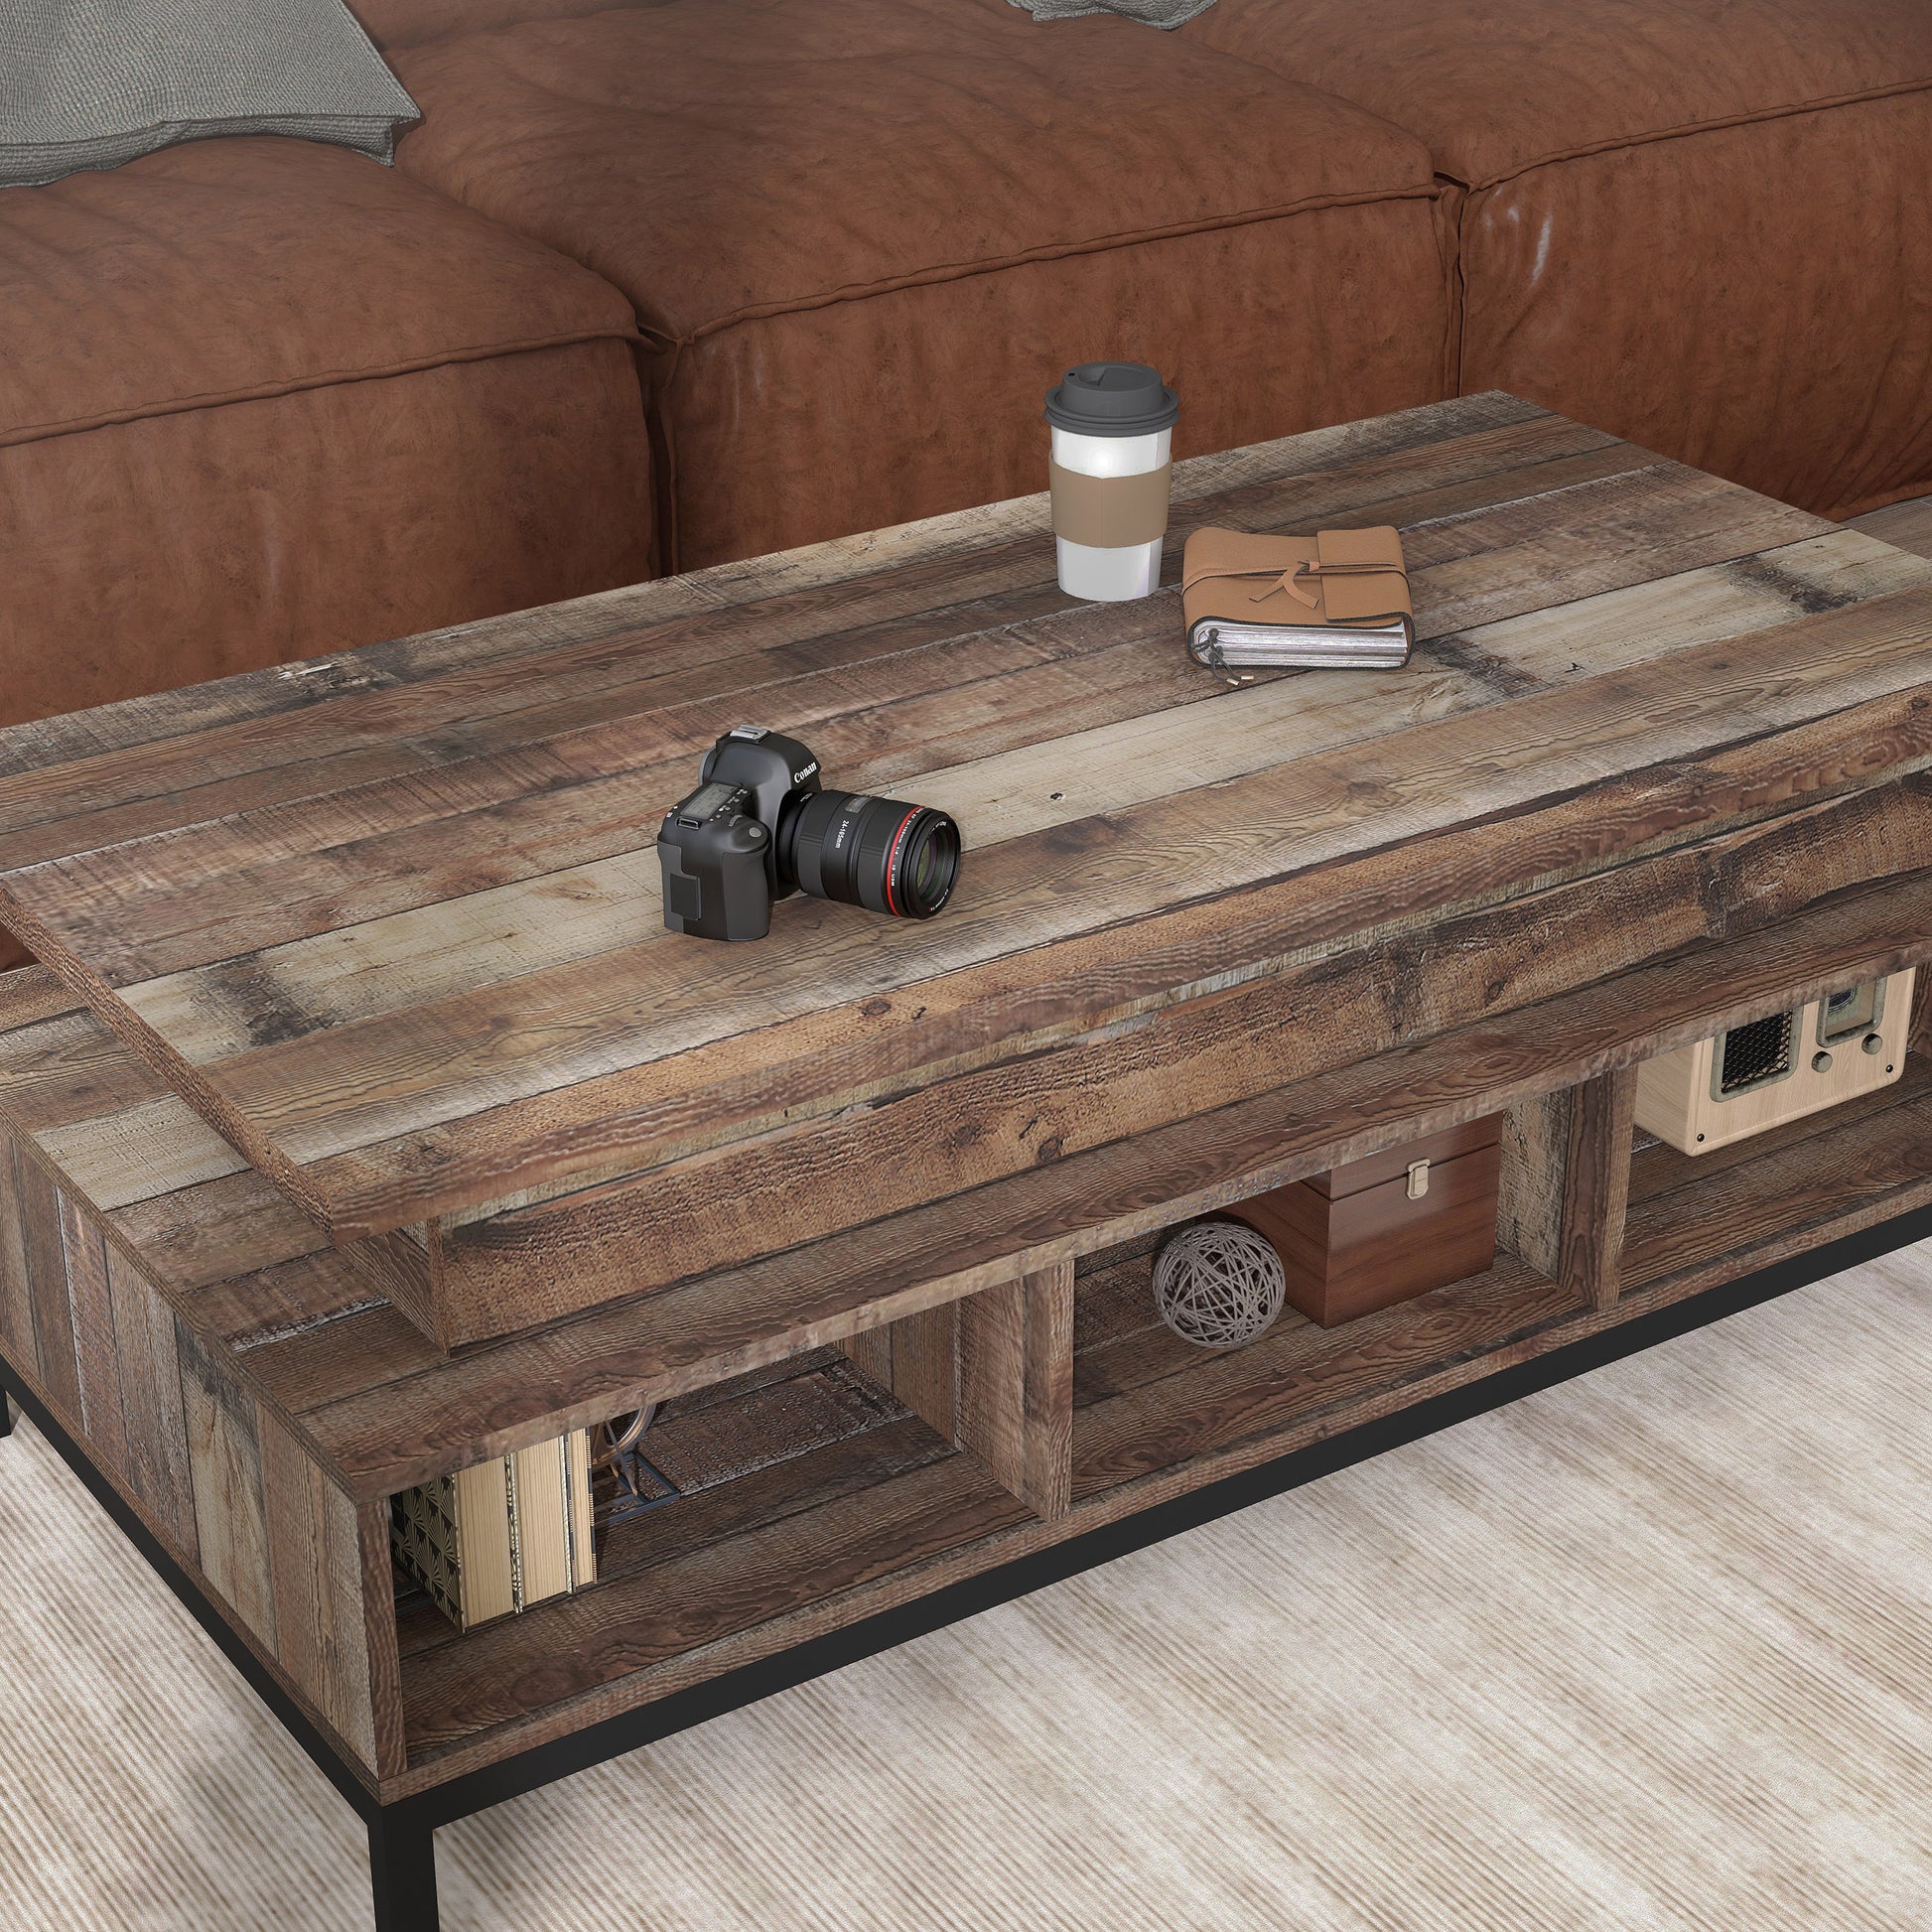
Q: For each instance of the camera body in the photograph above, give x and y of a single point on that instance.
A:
(761, 827)
(717, 848)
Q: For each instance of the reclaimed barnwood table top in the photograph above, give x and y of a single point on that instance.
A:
(390, 921)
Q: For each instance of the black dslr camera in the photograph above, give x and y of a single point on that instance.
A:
(760, 828)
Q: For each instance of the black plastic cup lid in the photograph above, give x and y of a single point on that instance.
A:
(1112, 399)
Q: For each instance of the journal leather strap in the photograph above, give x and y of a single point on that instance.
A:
(1338, 576)
(1110, 512)
(1291, 584)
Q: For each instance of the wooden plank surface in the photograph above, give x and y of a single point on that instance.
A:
(585, 1642)
(90, 1308)
(353, 1075)
(1015, 1384)
(925, 1367)
(1089, 982)
(1596, 1188)
(1532, 1183)
(637, 1551)
(314, 1568)
(224, 1485)
(708, 1212)
(36, 1201)
(156, 1465)
(391, 923)
(166, 1190)
(225, 1471)
(1907, 524)
(918, 1359)
(28, 995)
(379, 1640)
(381, 1407)
(209, 1232)
(1301, 1369)
(19, 1342)
(1716, 1211)
(1658, 1168)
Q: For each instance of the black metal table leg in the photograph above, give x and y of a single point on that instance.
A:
(402, 1872)
(5, 1412)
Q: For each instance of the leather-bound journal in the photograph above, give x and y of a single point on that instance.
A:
(1341, 597)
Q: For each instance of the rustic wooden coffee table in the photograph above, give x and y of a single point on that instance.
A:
(365, 1123)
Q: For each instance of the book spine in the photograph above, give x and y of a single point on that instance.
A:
(517, 1534)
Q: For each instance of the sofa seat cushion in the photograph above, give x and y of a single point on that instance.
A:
(866, 237)
(1697, 222)
(264, 399)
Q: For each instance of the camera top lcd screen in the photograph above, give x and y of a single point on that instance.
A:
(706, 800)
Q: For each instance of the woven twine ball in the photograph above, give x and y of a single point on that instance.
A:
(1219, 1283)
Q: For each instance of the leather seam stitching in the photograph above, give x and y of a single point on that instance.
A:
(298, 385)
(1049, 252)
(1825, 104)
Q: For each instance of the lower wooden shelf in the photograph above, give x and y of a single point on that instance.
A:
(757, 1548)
(1145, 1400)
(1694, 1220)
(805, 1533)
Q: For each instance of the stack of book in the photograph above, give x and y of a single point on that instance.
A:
(1338, 599)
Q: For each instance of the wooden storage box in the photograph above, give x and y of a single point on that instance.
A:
(1386, 1228)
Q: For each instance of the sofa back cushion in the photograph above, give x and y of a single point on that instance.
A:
(1497, 86)
(261, 401)
(869, 233)
(410, 23)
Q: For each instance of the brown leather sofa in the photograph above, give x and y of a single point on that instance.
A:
(862, 235)
(664, 283)
(1701, 223)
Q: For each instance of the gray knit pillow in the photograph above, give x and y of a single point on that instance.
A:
(1154, 13)
(90, 83)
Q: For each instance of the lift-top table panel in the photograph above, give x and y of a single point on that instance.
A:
(391, 921)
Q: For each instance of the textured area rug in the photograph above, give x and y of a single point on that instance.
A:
(1651, 1649)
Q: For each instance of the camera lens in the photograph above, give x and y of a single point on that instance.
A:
(880, 853)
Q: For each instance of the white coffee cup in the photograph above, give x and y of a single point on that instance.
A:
(1112, 425)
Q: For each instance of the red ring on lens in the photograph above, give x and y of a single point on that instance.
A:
(892, 859)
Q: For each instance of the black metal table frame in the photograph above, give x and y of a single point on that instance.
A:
(402, 1835)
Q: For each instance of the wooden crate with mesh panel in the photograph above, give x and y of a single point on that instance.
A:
(504, 1535)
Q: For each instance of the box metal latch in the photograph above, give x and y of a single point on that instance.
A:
(1418, 1180)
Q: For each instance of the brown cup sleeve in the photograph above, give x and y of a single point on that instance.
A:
(1110, 512)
